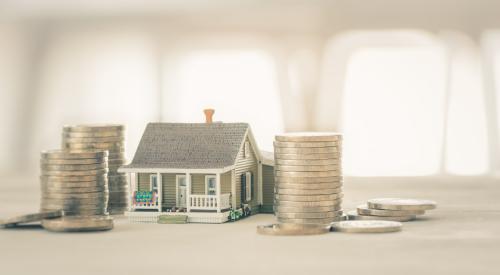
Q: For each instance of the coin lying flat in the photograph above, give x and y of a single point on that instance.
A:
(306, 168)
(330, 191)
(309, 136)
(94, 128)
(79, 224)
(401, 204)
(307, 151)
(305, 180)
(31, 218)
(296, 144)
(353, 215)
(364, 210)
(308, 174)
(64, 154)
(292, 229)
(307, 162)
(324, 156)
(366, 226)
(307, 186)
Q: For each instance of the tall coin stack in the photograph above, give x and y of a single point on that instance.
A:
(77, 184)
(308, 178)
(110, 137)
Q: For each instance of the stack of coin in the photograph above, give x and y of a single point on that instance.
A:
(110, 137)
(392, 209)
(77, 184)
(308, 178)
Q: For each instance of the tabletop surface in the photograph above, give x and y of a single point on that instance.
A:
(462, 236)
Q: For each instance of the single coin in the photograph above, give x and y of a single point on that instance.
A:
(94, 128)
(307, 180)
(296, 144)
(307, 151)
(75, 173)
(292, 229)
(78, 182)
(309, 136)
(364, 210)
(328, 156)
(86, 212)
(73, 161)
(307, 186)
(401, 204)
(307, 198)
(67, 139)
(366, 226)
(115, 147)
(35, 217)
(76, 190)
(301, 192)
(307, 221)
(65, 154)
(308, 174)
(306, 209)
(306, 168)
(74, 167)
(280, 203)
(321, 162)
(309, 215)
(75, 195)
(353, 215)
(76, 201)
(74, 208)
(90, 185)
(69, 134)
(79, 224)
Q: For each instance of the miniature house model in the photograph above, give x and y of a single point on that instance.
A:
(198, 170)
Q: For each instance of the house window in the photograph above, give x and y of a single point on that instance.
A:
(153, 183)
(248, 186)
(246, 151)
(210, 185)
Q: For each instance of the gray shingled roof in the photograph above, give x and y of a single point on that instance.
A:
(189, 145)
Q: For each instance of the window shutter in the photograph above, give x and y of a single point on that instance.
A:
(251, 186)
(243, 187)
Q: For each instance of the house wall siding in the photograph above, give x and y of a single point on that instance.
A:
(144, 184)
(247, 164)
(267, 188)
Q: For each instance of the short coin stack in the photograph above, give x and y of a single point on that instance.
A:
(110, 137)
(308, 177)
(77, 184)
(392, 209)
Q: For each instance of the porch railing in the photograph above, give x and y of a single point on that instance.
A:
(208, 202)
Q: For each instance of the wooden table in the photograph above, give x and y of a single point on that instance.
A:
(462, 236)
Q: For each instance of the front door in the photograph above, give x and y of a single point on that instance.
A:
(181, 191)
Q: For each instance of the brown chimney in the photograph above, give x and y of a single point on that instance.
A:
(209, 113)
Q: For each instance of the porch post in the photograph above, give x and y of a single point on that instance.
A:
(160, 190)
(217, 192)
(131, 189)
(188, 192)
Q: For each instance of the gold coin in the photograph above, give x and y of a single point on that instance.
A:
(364, 210)
(309, 137)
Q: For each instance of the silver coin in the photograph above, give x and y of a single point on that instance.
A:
(309, 215)
(307, 180)
(73, 161)
(76, 190)
(309, 137)
(306, 151)
(73, 167)
(306, 168)
(401, 204)
(307, 221)
(112, 147)
(65, 154)
(79, 224)
(307, 162)
(306, 209)
(308, 186)
(89, 200)
(69, 134)
(307, 192)
(75, 180)
(35, 217)
(353, 215)
(296, 144)
(307, 203)
(328, 156)
(73, 207)
(74, 173)
(366, 226)
(67, 139)
(94, 128)
(308, 174)
(87, 212)
(364, 210)
(74, 185)
(307, 198)
(60, 193)
(292, 229)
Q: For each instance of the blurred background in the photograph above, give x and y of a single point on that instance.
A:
(413, 84)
